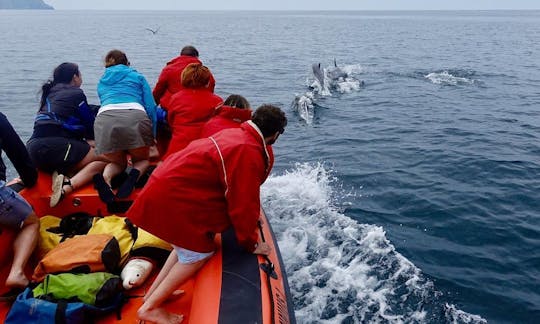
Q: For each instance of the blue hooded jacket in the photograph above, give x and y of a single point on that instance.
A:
(122, 84)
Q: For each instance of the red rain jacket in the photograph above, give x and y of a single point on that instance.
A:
(189, 110)
(226, 117)
(202, 190)
(169, 81)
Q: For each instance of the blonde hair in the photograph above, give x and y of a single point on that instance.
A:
(195, 76)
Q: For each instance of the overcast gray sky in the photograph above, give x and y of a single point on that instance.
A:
(295, 4)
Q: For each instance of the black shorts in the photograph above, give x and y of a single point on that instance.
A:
(57, 153)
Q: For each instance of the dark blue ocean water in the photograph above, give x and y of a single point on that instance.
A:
(412, 198)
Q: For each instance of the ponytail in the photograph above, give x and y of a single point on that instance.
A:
(63, 73)
(45, 90)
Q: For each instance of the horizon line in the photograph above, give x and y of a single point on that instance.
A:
(143, 9)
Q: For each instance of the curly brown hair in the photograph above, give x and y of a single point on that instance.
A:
(195, 76)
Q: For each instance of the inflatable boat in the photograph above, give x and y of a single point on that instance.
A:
(234, 286)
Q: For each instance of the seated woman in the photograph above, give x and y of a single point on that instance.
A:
(191, 107)
(63, 135)
(232, 114)
(15, 212)
(125, 124)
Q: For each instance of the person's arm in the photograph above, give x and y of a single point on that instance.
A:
(244, 172)
(15, 150)
(149, 104)
(161, 87)
(87, 117)
(211, 83)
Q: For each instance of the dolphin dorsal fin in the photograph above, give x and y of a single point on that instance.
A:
(335, 63)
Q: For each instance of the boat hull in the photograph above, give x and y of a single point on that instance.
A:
(234, 286)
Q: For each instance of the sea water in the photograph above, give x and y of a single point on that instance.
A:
(406, 192)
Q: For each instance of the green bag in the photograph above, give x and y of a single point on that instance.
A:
(98, 289)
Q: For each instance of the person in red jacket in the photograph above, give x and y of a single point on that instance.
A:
(212, 184)
(232, 114)
(169, 81)
(191, 107)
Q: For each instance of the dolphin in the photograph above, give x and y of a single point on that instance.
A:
(336, 72)
(318, 73)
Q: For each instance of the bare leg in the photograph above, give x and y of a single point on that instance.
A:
(171, 261)
(118, 163)
(84, 176)
(23, 246)
(139, 157)
(179, 273)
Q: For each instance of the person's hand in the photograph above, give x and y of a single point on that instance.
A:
(262, 248)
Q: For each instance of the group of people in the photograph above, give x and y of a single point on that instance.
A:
(214, 156)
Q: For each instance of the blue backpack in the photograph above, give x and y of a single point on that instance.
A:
(27, 309)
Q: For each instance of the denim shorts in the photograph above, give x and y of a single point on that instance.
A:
(13, 208)
(188, 256)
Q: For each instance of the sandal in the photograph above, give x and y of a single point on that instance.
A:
(58, 189)
(54, 176)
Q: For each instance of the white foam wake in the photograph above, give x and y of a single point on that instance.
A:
(339, 269)
(445, 78)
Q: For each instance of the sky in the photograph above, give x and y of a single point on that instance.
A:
(294, 4)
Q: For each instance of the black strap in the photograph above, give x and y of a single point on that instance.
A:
(60, 315)
(268, 269)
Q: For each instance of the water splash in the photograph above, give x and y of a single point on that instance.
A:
(338, 80)
(341, 270)
(448, 78)
(303, 104)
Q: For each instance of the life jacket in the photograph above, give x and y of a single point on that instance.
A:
(121, 228)
(151, 247)
(53, 230)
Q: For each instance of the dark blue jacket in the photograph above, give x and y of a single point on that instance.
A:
(15, 150)
(66, 113)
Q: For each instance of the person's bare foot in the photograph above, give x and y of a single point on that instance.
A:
(17, 279)
(174, 296)
(159, 316)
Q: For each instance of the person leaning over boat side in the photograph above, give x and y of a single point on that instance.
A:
(15, 212)
(169, 81)
(212, 184)
(191, 107)
(63, 136)
(124, 125)
(232, 114)
(235, 111)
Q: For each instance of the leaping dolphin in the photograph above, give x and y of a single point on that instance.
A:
(329, 76)
(337, 72)
(318, 73)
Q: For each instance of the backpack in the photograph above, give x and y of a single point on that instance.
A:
(81, 254)
(97, 289)
(121, 228)
(28, 309)
(149, 246)
(53, 230)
